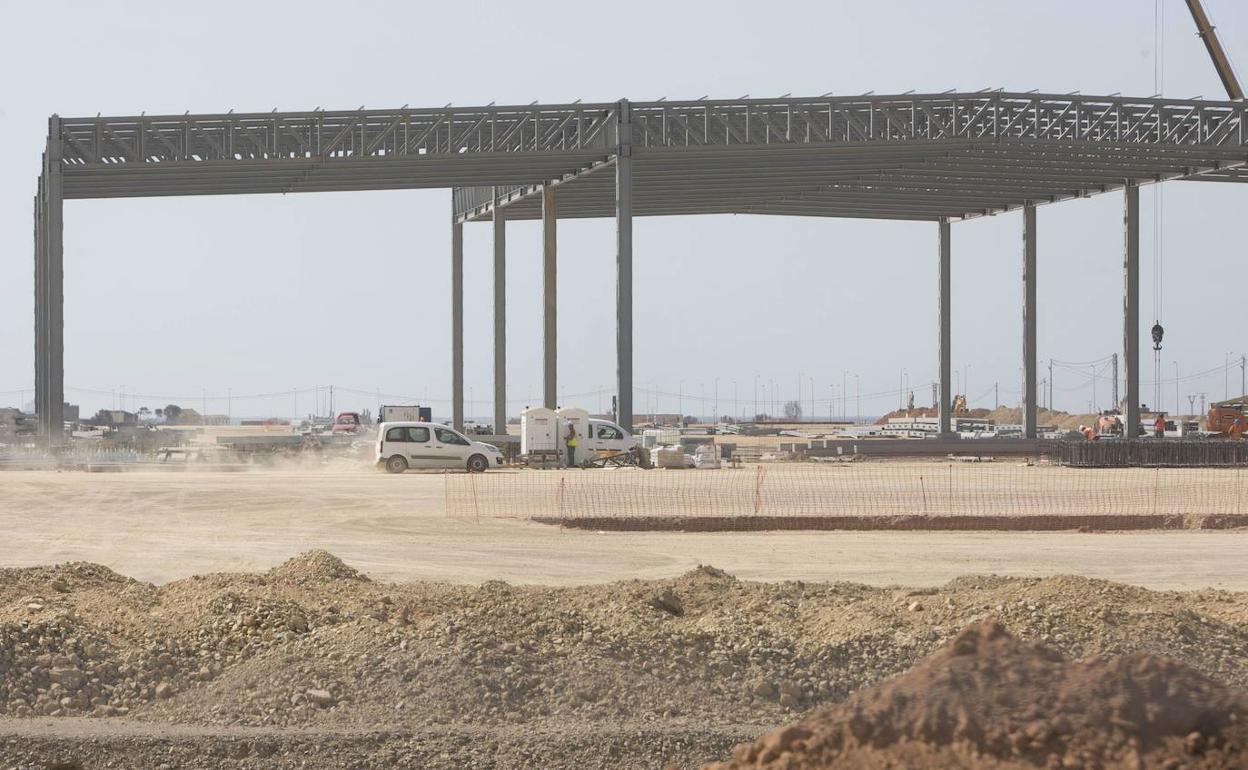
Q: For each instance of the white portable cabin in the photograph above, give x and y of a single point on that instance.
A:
(539, 430)
(577, 418)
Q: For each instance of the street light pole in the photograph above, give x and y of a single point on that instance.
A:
(1177, 406)
(844, 391)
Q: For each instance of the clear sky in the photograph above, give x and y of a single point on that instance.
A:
(180, 297)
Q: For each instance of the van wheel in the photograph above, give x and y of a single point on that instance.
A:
(477, 464)
(396, 464)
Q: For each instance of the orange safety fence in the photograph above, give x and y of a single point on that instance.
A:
(913, 490)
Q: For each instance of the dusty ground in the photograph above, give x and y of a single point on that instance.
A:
(312, 664)
(162, 526)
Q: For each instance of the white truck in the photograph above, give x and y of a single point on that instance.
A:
(410, 444)
(394, 413)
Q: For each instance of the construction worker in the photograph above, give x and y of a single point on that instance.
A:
(1087, 432)
(1238, 426)
(570, 440)
(1159, 427)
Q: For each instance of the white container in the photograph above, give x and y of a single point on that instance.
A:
(539, 430)
(577, 418)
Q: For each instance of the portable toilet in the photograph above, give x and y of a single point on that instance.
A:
(577, 418)
(539, 430)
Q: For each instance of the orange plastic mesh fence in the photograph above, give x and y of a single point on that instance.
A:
(926, 489)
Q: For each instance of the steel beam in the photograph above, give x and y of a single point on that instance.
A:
(944, 300)
(550, 305)
(500, 321)
(624, 266)
(1030, 381)
(457, 324)
(50, 296)
(1131, 303)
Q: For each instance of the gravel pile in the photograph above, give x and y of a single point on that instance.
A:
(987, 700)
(704, 659)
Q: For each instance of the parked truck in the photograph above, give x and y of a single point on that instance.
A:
(414, 413)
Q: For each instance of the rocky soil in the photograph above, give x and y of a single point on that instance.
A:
(313, 664)
(987, 700)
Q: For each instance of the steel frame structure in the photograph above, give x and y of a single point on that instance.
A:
(937, 157)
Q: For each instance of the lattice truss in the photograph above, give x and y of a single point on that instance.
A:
(951, 155)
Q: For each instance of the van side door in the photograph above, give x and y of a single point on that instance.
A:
(452, 449)
(608, 437)
(412, 442)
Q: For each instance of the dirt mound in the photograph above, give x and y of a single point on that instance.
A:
(313, 645)
(313, 567)
(63, 577)
(988, 700)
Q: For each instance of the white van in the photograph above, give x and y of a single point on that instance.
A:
(606, 436)
(403, 445)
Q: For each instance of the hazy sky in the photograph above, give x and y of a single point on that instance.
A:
(173, 298)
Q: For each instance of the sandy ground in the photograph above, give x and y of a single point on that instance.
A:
(160, 526)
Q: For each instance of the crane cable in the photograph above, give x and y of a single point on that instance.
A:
(1159, 65)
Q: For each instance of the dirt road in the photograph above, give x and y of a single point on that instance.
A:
(161, 526)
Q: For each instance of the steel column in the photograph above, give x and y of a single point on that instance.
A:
(41, 340)
(1030, 380)
(1131, 303)
(49, 295)
(624, 267)
(457, 324)
(550, 305)
(943, 346)
(500, 318)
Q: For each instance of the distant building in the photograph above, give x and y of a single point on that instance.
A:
(113, 418)
(216, 419)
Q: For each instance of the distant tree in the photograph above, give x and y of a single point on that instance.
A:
(792, 410)
(172, 412)
(159, 412)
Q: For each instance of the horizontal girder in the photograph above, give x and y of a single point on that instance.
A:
(910, 156)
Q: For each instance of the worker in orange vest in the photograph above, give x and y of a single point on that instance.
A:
(1087, 432)
(1159, 427)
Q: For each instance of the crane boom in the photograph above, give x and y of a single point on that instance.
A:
(1221, 62)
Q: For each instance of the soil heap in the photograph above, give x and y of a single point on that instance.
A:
(988, 700)
(313, 659)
